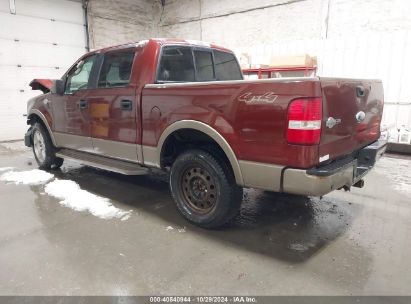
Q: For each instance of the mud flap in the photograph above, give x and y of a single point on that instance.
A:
(28, 137)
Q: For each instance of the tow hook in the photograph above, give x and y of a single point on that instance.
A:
(359, 184)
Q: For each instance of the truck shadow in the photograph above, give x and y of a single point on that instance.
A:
(286, 227)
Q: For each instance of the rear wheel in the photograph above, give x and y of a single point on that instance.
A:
(43, 149)
(204, 189)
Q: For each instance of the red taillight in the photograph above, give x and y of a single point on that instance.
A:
(304, 121)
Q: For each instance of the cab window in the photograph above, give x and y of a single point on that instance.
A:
(226, 66)
(78, 78)
(176, 64)
(116, 69)
(204, 65)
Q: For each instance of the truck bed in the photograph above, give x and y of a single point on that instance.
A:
(252, 115)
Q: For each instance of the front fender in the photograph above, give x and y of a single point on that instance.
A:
(38, 108)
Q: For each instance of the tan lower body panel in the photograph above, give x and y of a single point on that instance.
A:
(103, 147)
(75, 142)
(261, 175)
(151, 156)
(102, 162)
(297, 181)
(115, 149)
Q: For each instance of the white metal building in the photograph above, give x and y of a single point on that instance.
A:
(38, 39)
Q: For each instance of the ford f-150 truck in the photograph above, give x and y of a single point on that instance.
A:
(183, 106)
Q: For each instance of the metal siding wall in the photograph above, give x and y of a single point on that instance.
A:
(385, 56)
(41, 40)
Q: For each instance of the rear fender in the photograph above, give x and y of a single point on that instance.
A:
(152, 155)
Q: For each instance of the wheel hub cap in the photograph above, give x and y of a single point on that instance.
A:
(199, 189)
(39, 146)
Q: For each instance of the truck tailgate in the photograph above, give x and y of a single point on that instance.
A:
(352, 111)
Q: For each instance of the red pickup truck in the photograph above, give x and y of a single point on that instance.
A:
(183, 106)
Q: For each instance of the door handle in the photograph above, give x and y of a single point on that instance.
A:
(82, 104)
(126, 105)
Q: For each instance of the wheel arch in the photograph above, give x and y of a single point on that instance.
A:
(36, 115)
(153, 155)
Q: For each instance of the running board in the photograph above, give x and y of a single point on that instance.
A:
(101, 162)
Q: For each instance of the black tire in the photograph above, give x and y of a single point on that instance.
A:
(43, 149)
(204, 189)
(58, 162)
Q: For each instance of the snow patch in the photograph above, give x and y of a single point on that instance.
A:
(127, 216)
(74, 197)
(6, 169)
(31, 177)
(169, 228)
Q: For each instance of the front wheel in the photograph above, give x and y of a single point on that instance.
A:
(204, 189)
(43, 149)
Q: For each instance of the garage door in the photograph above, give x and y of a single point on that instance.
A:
(38, 39)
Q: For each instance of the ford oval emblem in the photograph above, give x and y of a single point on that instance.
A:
(360, 116)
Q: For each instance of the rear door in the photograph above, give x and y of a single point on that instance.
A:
(113, 107)
(352, 111)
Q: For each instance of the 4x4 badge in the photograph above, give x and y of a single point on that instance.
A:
(266, 98)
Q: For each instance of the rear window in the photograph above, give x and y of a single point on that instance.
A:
(204, 65)
(116, 69)
(226, 66)
(185, 64)
(176, 64)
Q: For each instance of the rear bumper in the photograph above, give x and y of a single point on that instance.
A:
(342, 173)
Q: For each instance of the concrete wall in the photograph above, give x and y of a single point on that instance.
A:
(120, 21)
(236, 23)
(350, 17)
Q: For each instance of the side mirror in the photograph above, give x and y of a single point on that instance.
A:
(58, 87)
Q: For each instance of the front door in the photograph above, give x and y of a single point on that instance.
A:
(113, 107)
(71, 125)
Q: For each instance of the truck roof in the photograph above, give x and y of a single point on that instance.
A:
(165, 41)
